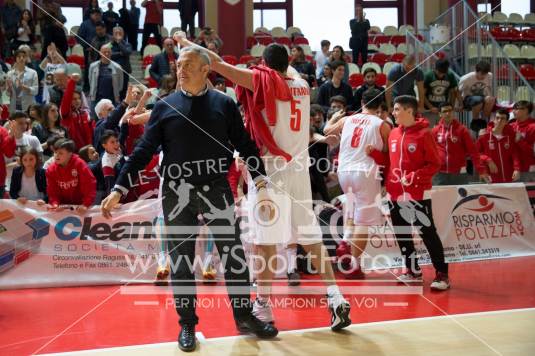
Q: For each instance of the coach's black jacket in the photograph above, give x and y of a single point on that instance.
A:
(214, 129)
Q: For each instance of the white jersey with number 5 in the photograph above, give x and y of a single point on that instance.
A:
(291, 132)
(360, 130)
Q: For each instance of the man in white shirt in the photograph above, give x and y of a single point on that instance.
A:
(322, 57)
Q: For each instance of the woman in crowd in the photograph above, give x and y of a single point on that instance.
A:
(25, 30)
(338, 54)
(49, 127)
(28, 181)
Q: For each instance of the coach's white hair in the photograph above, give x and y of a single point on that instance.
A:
(100, 106)
(201, 52)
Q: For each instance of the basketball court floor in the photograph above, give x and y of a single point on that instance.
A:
(489, 311)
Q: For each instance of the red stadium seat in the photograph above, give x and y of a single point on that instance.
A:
(380, 39)
(300, 41)
(380, 79)
(397, 57)
(73, 58)
(146, 61)
(71, 41)
(251, 41)
(528, 71)
(397, 40)
(503, 72)
(151, 83)
(246, 58)
(500, 33)
(420, 37)
(513, 34)
(152, 40)
(356, 80)
(283, 41)
(230, 59)
(264, 40)
(528, 35)
(380, 58)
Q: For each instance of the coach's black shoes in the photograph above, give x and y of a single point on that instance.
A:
(340, 309)
(186, 338)
(252, 324)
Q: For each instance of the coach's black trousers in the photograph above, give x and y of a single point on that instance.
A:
(420, 215)
(181, 236)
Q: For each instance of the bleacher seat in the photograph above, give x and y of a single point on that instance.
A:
(504, 72)
(512, 51)
(529, 19)
(387, 49)
(353, 68)
(402, 48)
(74, 58)
(397, 40)
(74, 30)
(164, 32)
(151, 83)
(528, 35)
(301, 41)
(71, 41)
(503, 96)
(230, 59)
(489, 52)
(174, 29)
(278, 32)
(527, 51)
(375, 30)
(498, 18)
(262, 30)
(380, 58)
(283, 41)
(74, 68)
(151, 50)
(403, 29)
(289, 51)
(373, 65)
(264, 40)
(397, 57)
(246, 58)
(306, 49)
(388, 66)
(390, 31)
(257, 50)
(528, 71)
(522, 93)
(500, 33)
(484, 17)
(292, 29)
(250, 42)
(380, 80)
(372, 47)
(77, 50)
(356, 80)
(472, 51)
(515, 19)
(147, 60)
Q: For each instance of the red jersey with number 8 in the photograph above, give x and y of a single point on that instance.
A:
(292, 130)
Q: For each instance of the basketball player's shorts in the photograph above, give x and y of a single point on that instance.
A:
(293, 221)
(363, 197)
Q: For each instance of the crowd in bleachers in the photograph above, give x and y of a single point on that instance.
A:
(71, 111)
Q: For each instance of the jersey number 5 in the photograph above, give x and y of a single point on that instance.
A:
(355, 140)
(295, 116)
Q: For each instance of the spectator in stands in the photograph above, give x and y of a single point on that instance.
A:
(111, 18)
(359, 35)
(134, 14)
(454, 145)
(120, 54)
(22, 83)
(524, 127)
(326, 75)
(74, 116)
(25, 30)
(28, 181)
(317, 118)
(208, 35)
(302, 66)
(7, 149)
(160, 62)
(440, 87)
(51, 126)
(338, 103)
(113, 158)
(105, 78)
(52, 62)
(124, 22)
(167, 86)
(370, 76)
(89, 154)
(188, 9)
(337, 86)
(153, 21)
(322, 57)
(86, 32)
(22, 137)
(498, 150)
(11, 13)
(55, 33)
(49, 14)
(476, 90)
(55, 92)
(384, 114)
(221, 85)
(35, 114)
(338, 54)
(100, 39)
(402, 79)
(93, 4)
(50, 142)
(69, 179)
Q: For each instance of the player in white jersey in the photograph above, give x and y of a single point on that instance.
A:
(358, 174)
(291, 182)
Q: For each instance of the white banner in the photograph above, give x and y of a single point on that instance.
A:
(474, 222)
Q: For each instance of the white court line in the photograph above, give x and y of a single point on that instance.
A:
(395, 304)
(324, 328)
(146, 302)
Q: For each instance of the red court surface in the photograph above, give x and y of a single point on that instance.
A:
(81, 318)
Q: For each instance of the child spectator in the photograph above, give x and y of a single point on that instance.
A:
(89, 154)
(7, 149)
(524, 127)
(74, 116)
(23, 139)
(50, 142)
(28, 181)
(69, 179)
(498, 150)
(49, 127)
(112, 159)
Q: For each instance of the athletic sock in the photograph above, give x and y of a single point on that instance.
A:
(291, 255)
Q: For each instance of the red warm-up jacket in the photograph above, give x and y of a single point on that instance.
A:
(454, 144)
(413, 155)
(525, 140)
(503, 152)
(77, 122)
(7, 148)
(72, 184)
(268, 86)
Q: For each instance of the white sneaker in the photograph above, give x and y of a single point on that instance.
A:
(410, 277)
(441, 282)
(340, 309)
(262, 310)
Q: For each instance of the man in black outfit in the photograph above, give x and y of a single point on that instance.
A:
(359, 35)
(335, 86)
(188, 9)
(198, 129)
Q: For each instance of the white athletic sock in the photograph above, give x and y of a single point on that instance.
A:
(335, 298)
(291, 255)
